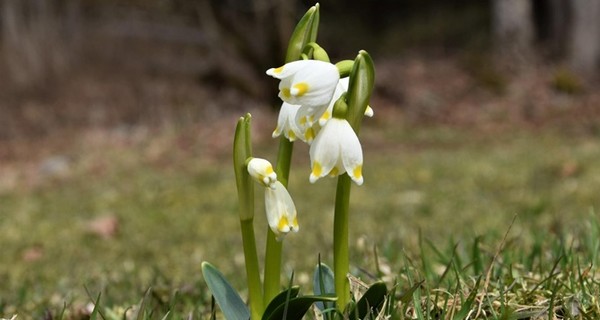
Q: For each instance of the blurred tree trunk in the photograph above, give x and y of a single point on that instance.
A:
(245, 38)
(584, 48)
(558, 26)
(513, 28)
(35, 39)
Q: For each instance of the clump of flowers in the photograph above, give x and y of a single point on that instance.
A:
(323, 104)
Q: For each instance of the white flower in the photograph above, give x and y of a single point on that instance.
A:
(341, 87)
(281, 211)
(286, 123)
(336, 150)
(306, 82)
(262, 171)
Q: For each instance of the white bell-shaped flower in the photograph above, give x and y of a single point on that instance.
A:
(287, 124)
(262, 171)
(281, 211)
(336, 150)
(306, 82)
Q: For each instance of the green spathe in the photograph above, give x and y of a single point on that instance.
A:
(304, 33)
(242, 151)
(362, 81)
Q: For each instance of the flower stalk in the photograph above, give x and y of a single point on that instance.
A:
(305, 32)
(359, 92)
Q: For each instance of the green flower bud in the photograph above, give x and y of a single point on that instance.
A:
(362, 81)
(340, 108)
(344, 67)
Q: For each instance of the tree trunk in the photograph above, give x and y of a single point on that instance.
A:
(584, 49)
(513, 28)
(558, 26)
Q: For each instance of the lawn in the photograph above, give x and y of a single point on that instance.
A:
(145, 207)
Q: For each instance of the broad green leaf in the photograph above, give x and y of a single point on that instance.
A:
(296, 308)
(323, 284)
(371, 301)
(280, 299)
(227, 298)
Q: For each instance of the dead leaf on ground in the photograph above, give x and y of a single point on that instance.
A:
(105, 227)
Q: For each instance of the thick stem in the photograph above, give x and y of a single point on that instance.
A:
(272, 283)
(252, 269)
(341, 260)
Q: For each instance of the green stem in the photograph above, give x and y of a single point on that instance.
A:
(341, 260)
(272, 277)
(252, 269)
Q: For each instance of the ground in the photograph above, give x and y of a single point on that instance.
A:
(450, 160)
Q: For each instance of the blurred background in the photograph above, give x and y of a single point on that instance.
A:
(116, 121)
(70, 64)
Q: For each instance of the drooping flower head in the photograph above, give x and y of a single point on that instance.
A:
(262, 171)
(336, 150)
(281, 211)
(287, 124)
(306, 82)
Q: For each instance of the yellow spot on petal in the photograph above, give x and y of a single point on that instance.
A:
(278, 70)
(357, 172)
(334, 172)
(283, 224)
(299, 89)
(291, 135)
(326, 115)
(269, 170)
(317, 170)
(309, 135)
(286, 92)
(303, 121)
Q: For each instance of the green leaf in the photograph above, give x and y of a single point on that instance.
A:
(370, 302)
(362, 81)
(142, 307)
(296, 308)
(280, 299)
(227, 298)
(406, 296)
(465, 308)
(305, 32)
(323, 284)
(96, 310)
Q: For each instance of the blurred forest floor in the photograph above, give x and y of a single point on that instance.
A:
(118, 90)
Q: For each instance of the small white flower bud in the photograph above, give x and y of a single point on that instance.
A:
(262, 171)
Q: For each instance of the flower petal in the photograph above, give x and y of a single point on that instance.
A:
(306, 82)
(351, 152)
(325, 151)
(281, 211)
